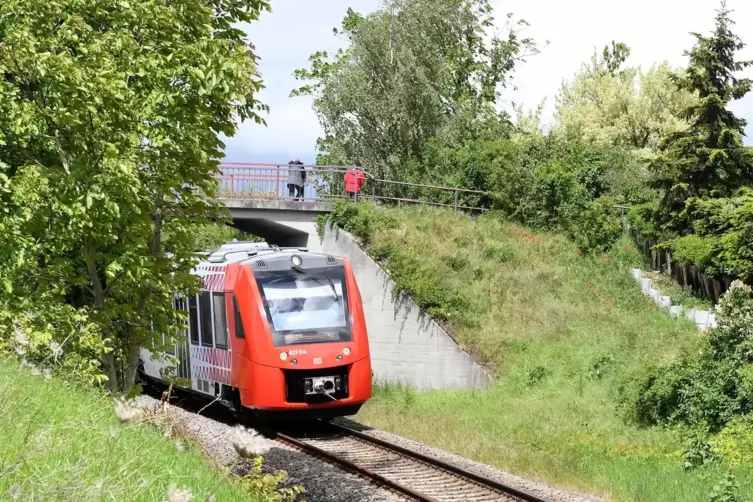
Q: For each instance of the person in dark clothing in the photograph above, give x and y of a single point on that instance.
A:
(296, 179)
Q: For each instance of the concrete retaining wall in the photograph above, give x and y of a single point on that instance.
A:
(406, 347)
(702, 318)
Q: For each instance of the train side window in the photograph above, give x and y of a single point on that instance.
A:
(205, 318)
(239, 331)
(220, 320)
(193, 319)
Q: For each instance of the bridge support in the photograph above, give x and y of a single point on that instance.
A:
(280, 222)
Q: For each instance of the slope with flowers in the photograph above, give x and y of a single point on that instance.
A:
(562, 331)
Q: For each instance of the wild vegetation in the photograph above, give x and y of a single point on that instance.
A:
(635, 394)
(563, 332)
(63, 442)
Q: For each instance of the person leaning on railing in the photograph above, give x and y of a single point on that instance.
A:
(354, 180)
(296, 179)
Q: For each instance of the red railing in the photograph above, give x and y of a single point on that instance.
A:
(242, 180)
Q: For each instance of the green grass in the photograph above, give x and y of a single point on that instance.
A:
(60, 442)
(561, 331)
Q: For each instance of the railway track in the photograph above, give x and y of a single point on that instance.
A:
(413, 475)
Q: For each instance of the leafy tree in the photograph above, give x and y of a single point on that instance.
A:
(614, 58)
(412, 70)
(622, 106)
(213, 235)
(110, 115)
(708, 159)
(546, 182)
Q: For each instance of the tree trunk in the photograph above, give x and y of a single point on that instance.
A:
(99, 305)
(133, 343)
(111, 371)
(134, 352)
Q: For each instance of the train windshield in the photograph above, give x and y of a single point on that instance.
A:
(306, 306)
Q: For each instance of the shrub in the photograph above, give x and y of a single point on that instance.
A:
(537, 375)
(709, 388)
(360, 219)
(735, 441)
(641, 220)
(727, 490)
(594, 228)
(268, 486)
(562, 185)
(691, 250)
(599, 366)
(726, 223)
(734, 315)
(699, 452)
(721, 242)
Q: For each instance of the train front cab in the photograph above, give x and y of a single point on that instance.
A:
(299, 342)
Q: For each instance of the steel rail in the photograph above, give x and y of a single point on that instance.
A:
(356, 468)
(441, 465)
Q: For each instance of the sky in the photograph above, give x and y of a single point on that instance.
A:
(655, 31)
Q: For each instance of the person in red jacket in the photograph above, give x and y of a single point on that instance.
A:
(354, 179)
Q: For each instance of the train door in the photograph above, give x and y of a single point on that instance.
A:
(209, 348)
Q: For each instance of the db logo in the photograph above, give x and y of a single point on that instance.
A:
(317, 360)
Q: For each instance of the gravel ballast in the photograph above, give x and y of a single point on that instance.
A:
(323, 482)
(537, 488)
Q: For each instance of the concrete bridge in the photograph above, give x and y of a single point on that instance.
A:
(285, 223)
(261, 202)
(406, 346)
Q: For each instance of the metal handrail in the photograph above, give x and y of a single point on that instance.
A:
(275, 177)
(433, 187)
(297, 167)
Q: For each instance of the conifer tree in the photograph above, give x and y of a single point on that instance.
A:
(708, 159)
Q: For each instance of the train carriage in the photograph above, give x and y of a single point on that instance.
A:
(273, 332)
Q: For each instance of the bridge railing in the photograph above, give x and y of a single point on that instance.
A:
(241, 180)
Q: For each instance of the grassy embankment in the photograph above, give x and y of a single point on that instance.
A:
(61, 442)
(562, 332)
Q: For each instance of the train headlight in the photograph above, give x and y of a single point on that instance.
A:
(283, 355)
(346, 351)
(296, 260)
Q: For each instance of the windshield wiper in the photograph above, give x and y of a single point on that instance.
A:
(331, 284)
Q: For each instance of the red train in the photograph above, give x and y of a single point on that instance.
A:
(273, 331)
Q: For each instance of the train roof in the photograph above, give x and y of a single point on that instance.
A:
(238, 251)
